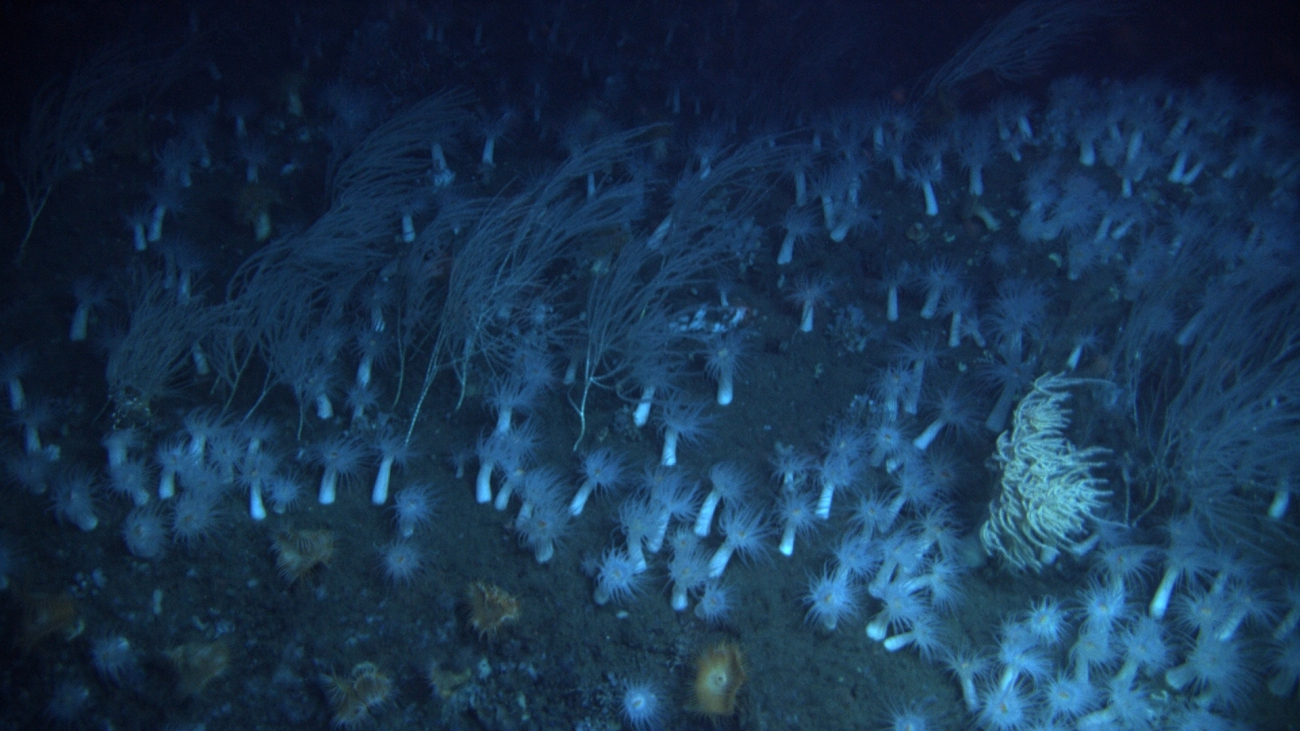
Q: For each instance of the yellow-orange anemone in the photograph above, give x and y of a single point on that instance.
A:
(719, 673)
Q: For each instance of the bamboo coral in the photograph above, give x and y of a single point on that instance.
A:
(1048, 490)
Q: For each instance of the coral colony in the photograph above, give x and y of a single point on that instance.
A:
(565, 365)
